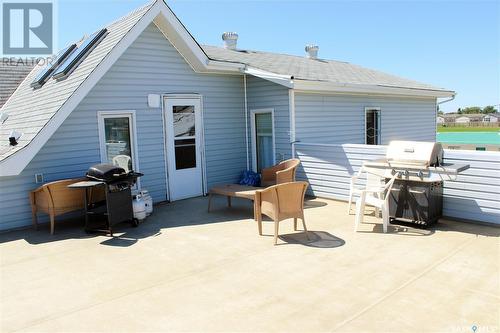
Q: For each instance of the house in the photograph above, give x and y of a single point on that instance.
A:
(11, 75)
(491, 118)
(190, 116)
(463, 120)
(476, 118)
(440, 120)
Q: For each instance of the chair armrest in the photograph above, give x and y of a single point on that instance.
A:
(355, 177)
(269, 173)
(285, 176)
(39, 189)
(267, 202)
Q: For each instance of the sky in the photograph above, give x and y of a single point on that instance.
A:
(449, 44)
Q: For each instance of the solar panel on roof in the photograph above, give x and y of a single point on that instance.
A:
(77, 57)
(44, 74)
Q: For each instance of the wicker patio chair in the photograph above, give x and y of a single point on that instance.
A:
(55, 199)
(283, 172)
(281, 202)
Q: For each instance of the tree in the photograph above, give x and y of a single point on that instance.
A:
(489, 109)
(471, 109)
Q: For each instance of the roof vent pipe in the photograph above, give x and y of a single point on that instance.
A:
(230, 40)
(3, 117)
(13, 137)
(312, 51)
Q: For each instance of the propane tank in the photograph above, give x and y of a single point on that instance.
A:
(139, 207)
(148, 201)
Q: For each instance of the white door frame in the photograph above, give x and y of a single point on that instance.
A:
(164, 98)
(253, 112)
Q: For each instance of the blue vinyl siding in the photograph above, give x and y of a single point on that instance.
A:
(340, 119)
(262, 94)
(151, 65)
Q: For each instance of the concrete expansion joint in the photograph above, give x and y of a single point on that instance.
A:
(404, 285)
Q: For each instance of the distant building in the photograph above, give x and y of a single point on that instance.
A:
(491, 118)
(463, 120)
(476, 118)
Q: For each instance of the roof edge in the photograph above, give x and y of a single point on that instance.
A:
(327, 86)
(14, 164)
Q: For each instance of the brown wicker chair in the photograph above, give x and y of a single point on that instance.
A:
(55, 199)
(283, 172)
(281, 202)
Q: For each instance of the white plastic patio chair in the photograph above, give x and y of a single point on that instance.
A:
(373, 183)
(375, 199)
(123, 161)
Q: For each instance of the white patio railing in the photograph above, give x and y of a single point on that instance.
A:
(474, 195)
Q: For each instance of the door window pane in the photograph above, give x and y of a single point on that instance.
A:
(264, 140)
(185, 154)
(184, 120)
(118, 144)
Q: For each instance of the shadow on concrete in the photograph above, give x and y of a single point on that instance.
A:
(124, 234)
(471, 227)
(319, 239)
(312, 202)
(192, 212)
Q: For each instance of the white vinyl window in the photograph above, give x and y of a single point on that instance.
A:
(263, 144)
(372, 126)
(117, 139)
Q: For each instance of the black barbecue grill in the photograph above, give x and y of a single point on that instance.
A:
(109, 195)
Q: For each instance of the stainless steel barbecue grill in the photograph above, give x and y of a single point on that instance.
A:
(417, 194)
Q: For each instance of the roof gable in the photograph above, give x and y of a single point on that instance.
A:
(38, 113)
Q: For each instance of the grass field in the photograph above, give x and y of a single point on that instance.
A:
(467, 129)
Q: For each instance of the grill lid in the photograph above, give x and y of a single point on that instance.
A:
(414, 153)
(106, 172)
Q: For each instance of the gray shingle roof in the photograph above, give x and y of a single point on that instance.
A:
(30, 110)
(11, 75)
(313, 69)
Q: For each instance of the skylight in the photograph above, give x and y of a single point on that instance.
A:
(44, 74)
(77, 57)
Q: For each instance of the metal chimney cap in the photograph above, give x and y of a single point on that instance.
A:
(312, 51)
(230, 40)
(229, 36)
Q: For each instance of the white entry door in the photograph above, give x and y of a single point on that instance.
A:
(184, 147)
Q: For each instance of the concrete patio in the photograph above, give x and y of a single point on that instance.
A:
(188, 270)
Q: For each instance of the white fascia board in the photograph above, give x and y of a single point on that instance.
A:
(186, 45)
(182, 41)
(333, 87)
(284, 80)
(15, 163)
(222, 66)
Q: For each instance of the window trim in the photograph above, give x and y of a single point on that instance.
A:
(101, 115)
(253, 112)
(379, 120)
